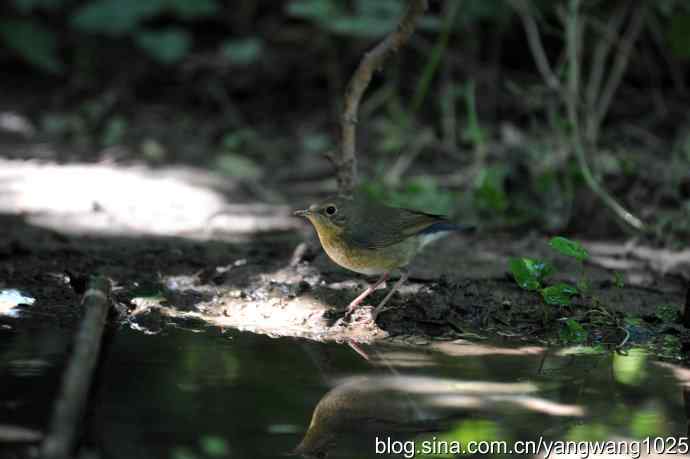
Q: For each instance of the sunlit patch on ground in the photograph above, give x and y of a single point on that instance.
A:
(116, 200)
(10, 299)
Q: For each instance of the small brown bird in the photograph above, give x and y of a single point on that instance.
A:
(373, 239)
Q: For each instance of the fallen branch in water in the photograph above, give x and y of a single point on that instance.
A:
(71, 401)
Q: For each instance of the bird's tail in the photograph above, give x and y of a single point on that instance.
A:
(445, 227)
(440, 229)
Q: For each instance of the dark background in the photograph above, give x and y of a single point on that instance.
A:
(460, 121)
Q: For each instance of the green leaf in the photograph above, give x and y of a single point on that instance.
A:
(361, 26)
(667, 313)
(32, 41)
(115, 17)
(182, 452)
(541, 268)
(191, 9)
(28, 6)
(318, 10)
(618, 279)
(559, 294)
(526, 272)
(583, 285)
(214, 446)
(573, 332)
(166, 45)
(243, 51)
(569, 248)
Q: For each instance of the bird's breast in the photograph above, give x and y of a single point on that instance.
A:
(368, 261)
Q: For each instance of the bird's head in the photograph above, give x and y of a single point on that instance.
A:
(330, 217)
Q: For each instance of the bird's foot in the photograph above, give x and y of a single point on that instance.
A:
(351, 308)
(358, 314)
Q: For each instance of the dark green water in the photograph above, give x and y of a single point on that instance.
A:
(183, 394)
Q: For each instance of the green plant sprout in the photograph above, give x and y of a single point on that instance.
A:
(530, 274)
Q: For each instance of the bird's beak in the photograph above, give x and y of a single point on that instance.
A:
(302, 213)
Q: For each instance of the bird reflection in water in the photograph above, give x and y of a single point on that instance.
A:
(349, 418)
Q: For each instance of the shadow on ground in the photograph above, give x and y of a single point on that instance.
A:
(177, 250)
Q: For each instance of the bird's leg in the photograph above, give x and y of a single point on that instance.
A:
(380, 308)
(353, 305)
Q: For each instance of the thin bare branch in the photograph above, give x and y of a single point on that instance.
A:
(620, 64)
(372, 61)
(535, 44)
(609, 36)
(574, 45)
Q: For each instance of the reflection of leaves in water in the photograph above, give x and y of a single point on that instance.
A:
(647, 423)
(476, 430)
(214, 446)
(588, 432)
(181, 452)
(583, 350)
(629, 369)
(573, 332)
(667, 312)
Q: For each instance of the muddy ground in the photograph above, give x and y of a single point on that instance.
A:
(187, 248)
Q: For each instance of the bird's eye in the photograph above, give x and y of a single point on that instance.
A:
(331, 210)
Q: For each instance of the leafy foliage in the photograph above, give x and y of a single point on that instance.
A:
(573, 332)
(32, 41)
(559, 294)
(167, 46)
(489, 193)
(119, 17)
(243, 51)
(416, 193)
(115, 17)
(530, 273)
(367, 19)
(569, 248)
(29, 6)
(38, 44)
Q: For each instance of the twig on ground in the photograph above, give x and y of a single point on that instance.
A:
(346, 163)
(72, 397)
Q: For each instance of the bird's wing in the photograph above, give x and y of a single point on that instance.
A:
(390, 226)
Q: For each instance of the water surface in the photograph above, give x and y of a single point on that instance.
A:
(209, 393)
